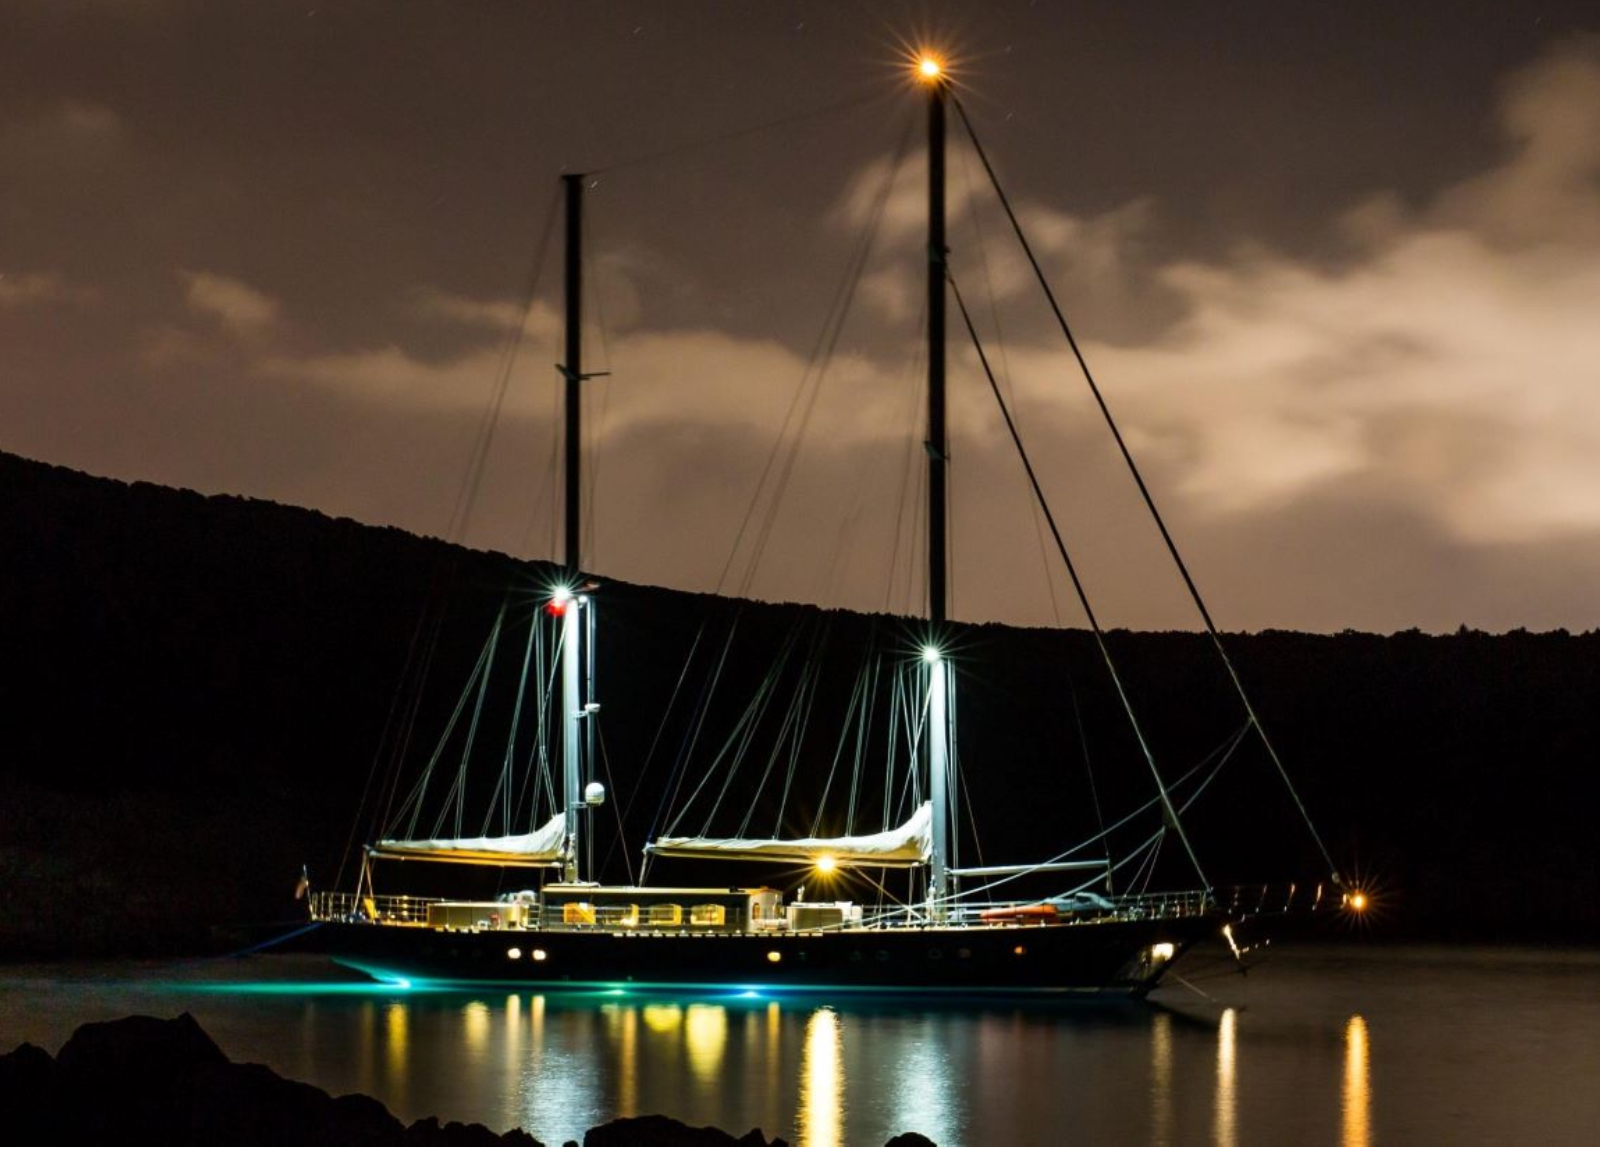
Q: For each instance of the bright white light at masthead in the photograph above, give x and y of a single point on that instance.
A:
(929, 68)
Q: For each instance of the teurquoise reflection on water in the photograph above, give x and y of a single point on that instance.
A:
(1319, 1047)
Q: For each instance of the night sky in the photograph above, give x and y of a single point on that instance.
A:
(1337, 267)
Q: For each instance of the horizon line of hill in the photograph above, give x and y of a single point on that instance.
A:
(196, 688)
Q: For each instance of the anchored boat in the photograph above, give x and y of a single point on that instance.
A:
(951, 928)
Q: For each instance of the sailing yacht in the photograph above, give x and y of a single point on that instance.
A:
(573, 930)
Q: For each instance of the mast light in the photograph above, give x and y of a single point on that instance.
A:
(827, 864)
(560, 597)
(931, 654)
(929, 69)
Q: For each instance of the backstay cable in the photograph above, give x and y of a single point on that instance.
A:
(1169, 812)
(1144, 491)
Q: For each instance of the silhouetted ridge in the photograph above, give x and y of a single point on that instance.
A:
(194, 689)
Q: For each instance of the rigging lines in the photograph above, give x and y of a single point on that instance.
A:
(1144, 490)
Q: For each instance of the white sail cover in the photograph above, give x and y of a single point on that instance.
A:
(904, 846)
(540, 848)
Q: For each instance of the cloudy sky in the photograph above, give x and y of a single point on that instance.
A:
(1337, 268)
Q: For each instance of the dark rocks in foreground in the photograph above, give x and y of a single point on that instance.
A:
(658, 1130)
(152, 1081)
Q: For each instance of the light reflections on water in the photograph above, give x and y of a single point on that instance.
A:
(1226, 1122)
(475, 1028)
(396, 1048)
(821, 1115)
(1161, 1080)
(926, 1098)
(1357, 1084)
(560, 1085)
(771, 1080)
(628, 1070)
(513, 1027)
(663, 1018)
(1319, 1048)
(516, 1033)
(705, 1031)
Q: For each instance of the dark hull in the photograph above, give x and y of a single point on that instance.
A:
(1111, 957)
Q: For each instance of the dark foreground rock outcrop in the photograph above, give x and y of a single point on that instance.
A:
(658, 1130)
(152, 1081)
(145, 1081)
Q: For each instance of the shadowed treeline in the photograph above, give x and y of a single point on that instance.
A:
(194, 690)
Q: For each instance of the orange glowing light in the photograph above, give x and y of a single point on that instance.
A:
(929, 68)
(826, 864)
(1358, 901)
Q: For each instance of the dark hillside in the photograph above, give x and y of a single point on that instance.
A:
(194, 690)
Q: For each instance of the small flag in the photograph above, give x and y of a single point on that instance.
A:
(303, 887)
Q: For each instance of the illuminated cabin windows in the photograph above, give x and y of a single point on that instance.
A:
(662, 909)
(626, 915)
(666, 914)
(577, 914)
(708, 914)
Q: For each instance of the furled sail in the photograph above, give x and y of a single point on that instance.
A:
(540, 848)
(904, 846)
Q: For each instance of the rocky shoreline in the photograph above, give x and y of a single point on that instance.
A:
(152, 1081)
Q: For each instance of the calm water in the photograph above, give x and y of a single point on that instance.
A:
(1338, 1045)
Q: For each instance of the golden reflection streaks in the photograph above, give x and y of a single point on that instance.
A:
(821, 1082)
(628, 1087)
(774, 1055)
(1357, 1084)
(1161, 1080)
(705, 1029)
(513, 1028)
(475, 1027)
(663, 1019)
(396, 1027)
(512, 1066)
(1227, 1115)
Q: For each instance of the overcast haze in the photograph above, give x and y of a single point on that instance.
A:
(1336, 266)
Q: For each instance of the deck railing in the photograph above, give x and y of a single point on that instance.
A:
(1278, 898)
(1236, 902)
(340, 906)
